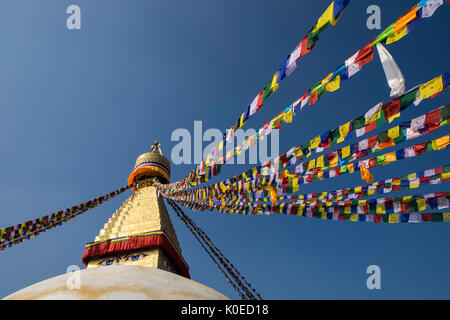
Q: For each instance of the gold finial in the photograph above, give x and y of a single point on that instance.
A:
(156, 147)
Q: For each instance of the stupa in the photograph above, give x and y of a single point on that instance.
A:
(136, 255)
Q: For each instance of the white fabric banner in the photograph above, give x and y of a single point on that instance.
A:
(394, 76)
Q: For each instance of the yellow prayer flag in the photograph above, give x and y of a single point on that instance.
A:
(390, 157)
(345, 152)
(375, 116)
(274, 85)
(298, 152)
(351, 168)
(441, 143)
(394, 132)
(334, 162)
(362, 203)
(300, 210)
(334, 84)
(354, 217)
(397, 36)
(241, 122)
(320, 163)
(312, 164)
(348, 209)
(325, 17)
(445, 176)
(314, 143)
(288, 116)
(421, 205)
(395, 116)
(381, 209)
(431, 88)
(412, 176)
(344, 129)
(414, 184)
(446, 216)
(394, 218)
(358, 189)
(295, 186)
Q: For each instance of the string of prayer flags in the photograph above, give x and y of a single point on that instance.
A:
(410, 181)
(414, 180)
(15, 234)
(389, 210)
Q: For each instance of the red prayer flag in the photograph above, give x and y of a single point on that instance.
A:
(419, 149)
(377, 218)
(313, 97)
(391, 108)
(365, 55)
(304, 45)
(370, 127)
(260, 101)
(433, 120)
(372, 142)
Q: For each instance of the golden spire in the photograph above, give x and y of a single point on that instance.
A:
(140, 232)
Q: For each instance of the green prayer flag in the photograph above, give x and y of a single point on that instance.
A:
(437, 217)
(413, 206)
(380, 159)
(407, 99)
(384, 35)
(267, 91)
(445, 112)
(359, 123)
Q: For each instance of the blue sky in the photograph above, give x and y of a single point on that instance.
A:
(77, 108)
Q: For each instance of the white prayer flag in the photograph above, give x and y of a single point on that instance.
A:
(394, 76)
(430, 7)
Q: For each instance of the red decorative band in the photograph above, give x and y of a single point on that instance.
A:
(135, 242)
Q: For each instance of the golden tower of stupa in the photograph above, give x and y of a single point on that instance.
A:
(136, 255)
(140, 232)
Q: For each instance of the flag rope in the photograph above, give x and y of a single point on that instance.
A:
(199, 233)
